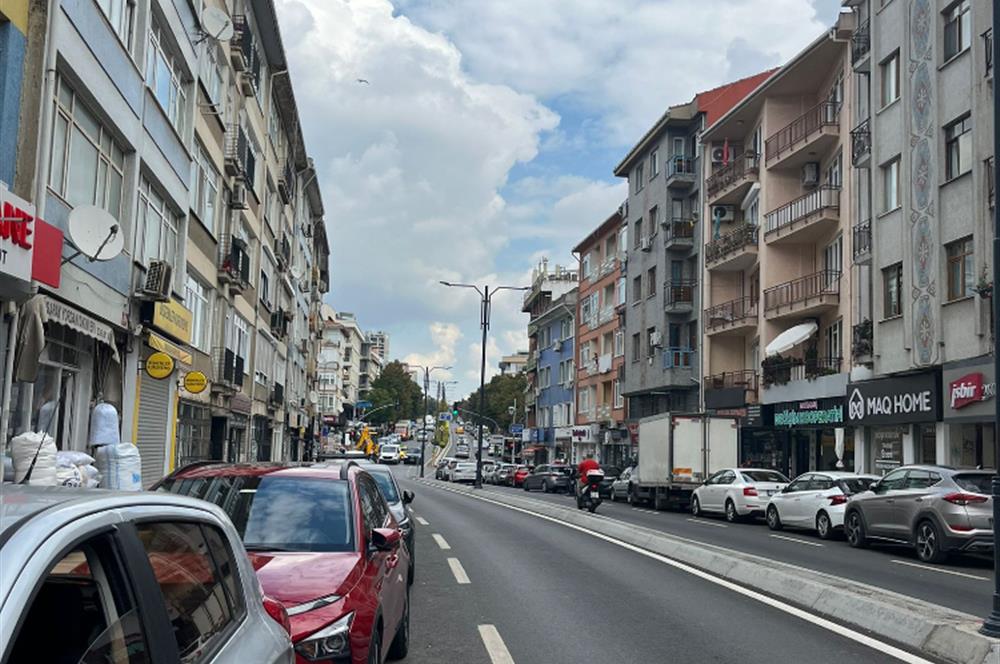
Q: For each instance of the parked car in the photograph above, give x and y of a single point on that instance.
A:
(517, 477)
(324, 544)
(397, 500)
(413, 456)
(488, 466)
(737, 492)
(71, 596)
(816, 501)
(500, 473)
(549, 478)
(935, 509)
(620, 485)
(442, 466)
(463, 471)
(611, 473)
(389, 454)
(461, 451)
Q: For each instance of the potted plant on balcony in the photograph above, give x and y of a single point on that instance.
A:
(777, 369)
(984, 287)
(861, 346)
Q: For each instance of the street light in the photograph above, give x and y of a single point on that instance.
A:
(423, 425)
(486, 296)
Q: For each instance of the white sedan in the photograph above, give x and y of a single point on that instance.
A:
(816, 501)
(463, 472)
(737, 492)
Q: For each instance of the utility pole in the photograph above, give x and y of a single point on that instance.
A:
(423, 424)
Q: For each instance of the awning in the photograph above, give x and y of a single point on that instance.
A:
(63, 314)
(157, 342)
(531, 449)
(790, 338)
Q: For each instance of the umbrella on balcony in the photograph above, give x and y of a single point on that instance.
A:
(790, 338)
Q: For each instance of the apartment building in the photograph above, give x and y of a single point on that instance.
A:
(370, 368)
(380, 344)
(600, 340)
(330, 362)
(555, 333)
(513, 364)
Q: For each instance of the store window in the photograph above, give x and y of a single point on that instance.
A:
(973, 445)
(194, 427)
(926, 443)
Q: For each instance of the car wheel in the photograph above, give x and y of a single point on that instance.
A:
(928, 543)
(854, 529)
(524, 485)
(375, 647)
(695, 506)
(731, 515)
(823, 527)
(633, 500)
(546, 488)
(401, 643)
(773, 519)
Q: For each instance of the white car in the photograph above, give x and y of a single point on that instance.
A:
(389, 454)
(737, 492)
(816, 501)
(463, 472)
(619, 487)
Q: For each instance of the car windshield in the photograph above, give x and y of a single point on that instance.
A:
(384, 480)
(466, 466)
(974, 482)
(611, 471)
(853, 485)
(753, 476)
(390, 449)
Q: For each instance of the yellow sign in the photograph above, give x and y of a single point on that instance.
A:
(174, 319)
(159, 343)
(159, 365)
(195, 382)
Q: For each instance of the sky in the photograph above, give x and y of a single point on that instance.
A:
(482, 137)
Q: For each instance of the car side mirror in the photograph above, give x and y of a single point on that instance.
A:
(384, 539)
(408, 497)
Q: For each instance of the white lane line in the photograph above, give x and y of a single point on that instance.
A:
(422, 521)
(942, 570)
(703, 522)
(495, 646)
(458, 571)
(441, 542)
(639, 509)
(819, 621)
(796, 540)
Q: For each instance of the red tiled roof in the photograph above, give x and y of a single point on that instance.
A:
(718, 101)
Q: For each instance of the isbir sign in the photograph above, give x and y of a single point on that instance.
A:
(899, 400)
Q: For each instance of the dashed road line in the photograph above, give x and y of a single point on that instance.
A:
(703, 522)
(422, 521)
(495, 647)
(796, 540)
(459, 571)
(941, 570)
(441, 542)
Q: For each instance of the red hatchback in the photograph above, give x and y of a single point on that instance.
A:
(519, 475)
(325, 545)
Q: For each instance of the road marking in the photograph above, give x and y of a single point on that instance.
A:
(458, 571)
(942, 570)
(796, 540)
(644, 511)
(441, 542)
(495, 646)
(703, 522)
(422, 521)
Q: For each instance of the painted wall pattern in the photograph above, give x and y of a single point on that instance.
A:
(923, 177)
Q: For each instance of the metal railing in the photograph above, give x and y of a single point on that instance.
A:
(861, 42)
(606, 315)
(679, 291)
(739, 168)
(862, 239)
(236, 148)
(988, 42)
(731, 312)
(228, 368)
(745, 379)
(680, 165)
(825, 197)
(743, 236)
(796, 368)
(679, 358)
(679, 228)
(824, 282)
(861, 142)
(824, 114)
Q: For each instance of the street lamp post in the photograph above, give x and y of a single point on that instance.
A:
(423, 425)
(486, 296)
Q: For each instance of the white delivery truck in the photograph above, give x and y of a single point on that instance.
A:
(677, 453)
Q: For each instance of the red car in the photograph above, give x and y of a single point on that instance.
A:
(325, 545)
(519, 475)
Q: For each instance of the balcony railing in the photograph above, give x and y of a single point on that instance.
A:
(825, 197)
(745, 379)
(862, 241)
(679, 292)
(861, 42)
(681, 170)
(743, 236)
(228, 368)
(606, 316)
(740, 167)
(824, 282)
(861, 144)
(726, 313)
(824, 114)
(679, 229)
(988, 43)
(782, 370)
(679, 358)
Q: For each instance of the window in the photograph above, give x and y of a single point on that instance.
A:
(263, 362)
(957, 29)
(585, 265)
(206, 190)
(274, 124)
(651, 341)
(636, 347)
(654, 164)
(958, 147)
(892, 290)
(265, 287)
(833, 340)
(960, 278)
(651, 282)
(619, 399)
(158, 225)
(196, 298)
(637, 234)
(890, 79)
(620, 294)
(165, 79)
(586, 400)
(890, 185)
(87, 165)
(637, 289)
(637, 177)
(654, 219)
(585, 351)
(238, 339)
(680, 146)
(567, 328)
(674, 335)
(212, 73)
(120, 15)
(623, 241)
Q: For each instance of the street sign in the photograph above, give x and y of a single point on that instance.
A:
(516, 429)
(444, 417)
(365, 405)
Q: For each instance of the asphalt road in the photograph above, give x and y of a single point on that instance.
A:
(553, 594)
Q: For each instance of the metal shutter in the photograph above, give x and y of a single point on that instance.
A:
(155, 410)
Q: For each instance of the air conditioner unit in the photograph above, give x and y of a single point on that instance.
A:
(718, 154)
(810, 174)
(157, 284)
(238, 197)
(723, 213)
(655, 339)
(646, 243)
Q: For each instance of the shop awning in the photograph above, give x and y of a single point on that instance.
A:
(63, 314)
(531, 449)
(156, 342)
(790, 338)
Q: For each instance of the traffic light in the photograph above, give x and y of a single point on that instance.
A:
(454, 409)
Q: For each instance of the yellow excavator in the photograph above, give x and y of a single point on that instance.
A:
(365, 442)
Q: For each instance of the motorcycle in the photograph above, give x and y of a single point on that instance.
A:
(589, 495)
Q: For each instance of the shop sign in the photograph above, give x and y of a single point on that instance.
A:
(195, 382)
(748, 416)
(813, 412)
(969, 393)
(888, 449)
(159, 365)
(894, 400)
(67, 316)
(17, 228)
(174, 319)
(583, 434)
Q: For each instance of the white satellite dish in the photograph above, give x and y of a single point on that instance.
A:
(313, 397)
(216, 24)
(95, 233)
(296, 271)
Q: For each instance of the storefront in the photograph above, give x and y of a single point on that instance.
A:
(798, 436)
(969, 390)
(615, 447)
(583, 439)
(896, 421)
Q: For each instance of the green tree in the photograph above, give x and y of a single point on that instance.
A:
(501, 392)
(395, 386)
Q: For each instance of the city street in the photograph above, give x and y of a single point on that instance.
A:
(553, 594)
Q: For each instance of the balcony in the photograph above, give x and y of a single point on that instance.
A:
(234, 263)
(678, 234)
(861, 46)
(730, 183)
(228, 368)
(734, 251)
(861, 145)
(608, 265)
(286, 183)
(804, 219)
(606, 315)
(731, 388)
(277, 396)
(862, 242)
(236, 150)
(988, 47)
(812, 133)
(735, 317)
(678, 296)
(780, 370)
(681, 172)
(811, 295)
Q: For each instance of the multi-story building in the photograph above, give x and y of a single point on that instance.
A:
(600, 341)
(351, 370)
(780, 298)
(555, 335)
(513, 364)
(370, 368)
(924, 196)
(379, 341)
(330, 361)
(661, 272)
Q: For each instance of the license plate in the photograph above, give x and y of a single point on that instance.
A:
(594, 494)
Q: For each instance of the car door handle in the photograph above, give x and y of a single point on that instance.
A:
(890, 501)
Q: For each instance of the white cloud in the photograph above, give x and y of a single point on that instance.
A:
(444, 340)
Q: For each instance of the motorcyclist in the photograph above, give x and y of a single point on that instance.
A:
(588, 464)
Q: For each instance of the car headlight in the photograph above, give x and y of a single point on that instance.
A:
(330, 642)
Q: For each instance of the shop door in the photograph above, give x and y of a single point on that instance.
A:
(801, 442)
(217, 445)
(155, 414)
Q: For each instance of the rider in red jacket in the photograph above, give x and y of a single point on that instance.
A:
(587, 464)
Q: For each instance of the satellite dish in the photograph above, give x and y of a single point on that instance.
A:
(296, 271)
(95, 233)
(216, 24)
(313, 397)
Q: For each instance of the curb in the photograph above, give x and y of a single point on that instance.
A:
(936, 631)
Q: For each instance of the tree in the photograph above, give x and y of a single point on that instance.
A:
(501, 392)
(395, 386)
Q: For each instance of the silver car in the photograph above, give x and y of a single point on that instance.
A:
(136, 573)
(935, 509)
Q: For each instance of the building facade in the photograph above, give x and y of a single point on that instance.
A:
(555, 332)
(513, 364)
(379, 341)
(370, 368)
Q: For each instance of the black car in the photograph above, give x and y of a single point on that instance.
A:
(550, 478)
(412, 456)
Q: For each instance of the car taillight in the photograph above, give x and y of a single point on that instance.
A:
(960, 498)
(277, 611)
(838, 499)
(749, 491)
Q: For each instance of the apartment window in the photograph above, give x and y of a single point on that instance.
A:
(238, 338)
(892, 290)
(265, 287)
(585, 351)
(263, 361)
(638, 179)
(623, 241)
(958, 147)
(674, 335)
(120, 15)
(274, 124)
(636, 347)
(196, 298)
(637, 289)
(654, 163)
(957, 28)
(619, 343)
(206, 189)
(620, 291)
(833, 340)
(212, 73)
(680, 146)
(960, 276)
(890, 185)
(619, 399)
(651, 282)
(87, 165)
(164, 77)
(637, 234)
(654, 219)
(566, 328)
(585, 265)
(890, 79)
(651, 342)
(585, 400)
(158, 225)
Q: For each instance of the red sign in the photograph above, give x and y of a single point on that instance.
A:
(46, 263)
(633, 430)
(15, 226)
(968, 390)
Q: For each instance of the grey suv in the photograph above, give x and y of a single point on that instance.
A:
(935, 509)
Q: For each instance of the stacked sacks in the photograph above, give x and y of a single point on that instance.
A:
(76, 469)
(119, 463)
(40, 448)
